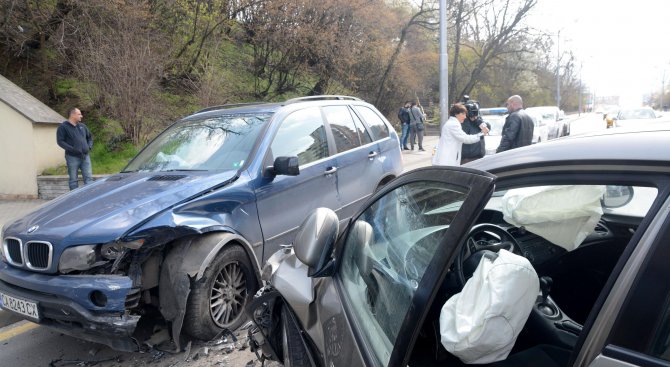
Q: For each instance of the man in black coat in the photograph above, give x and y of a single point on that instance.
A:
(75, 138)
(518, 129)
(474, 124)
(403, 116)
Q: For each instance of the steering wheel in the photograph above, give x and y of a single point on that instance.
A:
(483, 238)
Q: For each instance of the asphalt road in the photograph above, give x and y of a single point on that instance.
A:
(25, 344)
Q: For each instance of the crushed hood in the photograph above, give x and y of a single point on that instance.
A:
(106, 209)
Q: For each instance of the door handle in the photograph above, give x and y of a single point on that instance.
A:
(330, 171)
(372, 154)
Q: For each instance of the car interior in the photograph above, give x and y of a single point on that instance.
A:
(571, 235)
(572, 259)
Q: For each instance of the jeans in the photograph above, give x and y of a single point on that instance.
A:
(405, 135)
(75, 163)
(416, 134)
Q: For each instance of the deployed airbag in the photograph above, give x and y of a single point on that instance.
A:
(564, 215)
(481, 323)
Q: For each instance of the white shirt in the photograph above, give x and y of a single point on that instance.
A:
(451, 141)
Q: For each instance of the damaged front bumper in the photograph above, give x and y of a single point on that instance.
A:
(68, 303)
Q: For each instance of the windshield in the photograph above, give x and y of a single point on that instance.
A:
(214, 143)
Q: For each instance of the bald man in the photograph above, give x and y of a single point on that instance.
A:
(518, 129)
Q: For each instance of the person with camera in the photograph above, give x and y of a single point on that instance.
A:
(474, 124)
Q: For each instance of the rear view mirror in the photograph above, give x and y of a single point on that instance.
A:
(617, 196)
(315, 240)
(287, 166)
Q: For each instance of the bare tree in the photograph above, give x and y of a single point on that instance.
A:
(423, 17)
(122, 58)
(496, 29)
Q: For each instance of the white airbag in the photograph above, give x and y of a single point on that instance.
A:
(481, 323)
(564, 215)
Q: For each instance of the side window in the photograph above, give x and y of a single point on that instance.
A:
(387, 252)
(343, 128)
(302, 134)
(362, 132)
(378, 128)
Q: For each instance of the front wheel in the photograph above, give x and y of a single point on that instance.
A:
(218, 299)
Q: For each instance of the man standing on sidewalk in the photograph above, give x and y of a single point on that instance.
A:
(403, 116)
(75, 138)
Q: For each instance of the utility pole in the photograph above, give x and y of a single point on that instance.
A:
(662, 89)
(581, 65)
(558, 67)
(444, 66)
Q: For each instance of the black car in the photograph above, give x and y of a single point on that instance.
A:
(585, 220)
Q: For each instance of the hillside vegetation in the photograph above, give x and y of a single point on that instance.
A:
(135, 66)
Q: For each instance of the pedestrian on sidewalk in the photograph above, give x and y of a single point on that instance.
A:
(453, 137)
(403, 116)
(416, 126)
(76, 139)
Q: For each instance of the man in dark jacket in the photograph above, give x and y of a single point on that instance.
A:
(75, 138)
(403, 116)
(473, 125)
(518, 129)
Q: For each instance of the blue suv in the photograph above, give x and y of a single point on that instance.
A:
(178, 237)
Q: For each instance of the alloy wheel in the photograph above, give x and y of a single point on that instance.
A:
(228, 294)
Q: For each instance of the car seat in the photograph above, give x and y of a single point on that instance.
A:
(481, 323)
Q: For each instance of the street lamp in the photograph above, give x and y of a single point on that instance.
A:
(558, 67)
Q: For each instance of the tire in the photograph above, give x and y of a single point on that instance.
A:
(293, 350)
(218, 299)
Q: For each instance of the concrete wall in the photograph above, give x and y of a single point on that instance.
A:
(17, 155)
(47, 152)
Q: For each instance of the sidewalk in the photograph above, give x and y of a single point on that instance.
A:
(414, 158)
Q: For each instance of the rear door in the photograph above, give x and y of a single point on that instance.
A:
(370, 310)
(358, 168)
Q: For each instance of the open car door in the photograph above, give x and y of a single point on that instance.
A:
(390, 264)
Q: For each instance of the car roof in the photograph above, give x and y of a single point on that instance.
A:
(647, 144)
(270, 107)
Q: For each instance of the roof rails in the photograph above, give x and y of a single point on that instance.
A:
(322, 98)
(230, 106)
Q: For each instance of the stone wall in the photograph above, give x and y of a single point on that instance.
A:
(51, 187)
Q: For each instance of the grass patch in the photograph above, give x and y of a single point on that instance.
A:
(104, 160)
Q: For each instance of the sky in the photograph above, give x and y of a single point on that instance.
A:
(623, 46)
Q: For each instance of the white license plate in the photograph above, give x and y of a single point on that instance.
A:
(19, 305)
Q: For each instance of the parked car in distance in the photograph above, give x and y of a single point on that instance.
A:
(179, 235)
(540, 130)
(496, 117)
(632, 117)
(550, 255)
(557, 125)
(609, 115)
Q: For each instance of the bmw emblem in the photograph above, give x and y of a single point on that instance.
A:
(33, 228)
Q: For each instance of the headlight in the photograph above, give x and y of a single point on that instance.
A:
(2, 244)
(77, 258)
(113, 250)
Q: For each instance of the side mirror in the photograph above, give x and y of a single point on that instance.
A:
(617, 196)
(315, 239)
(287, 166)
